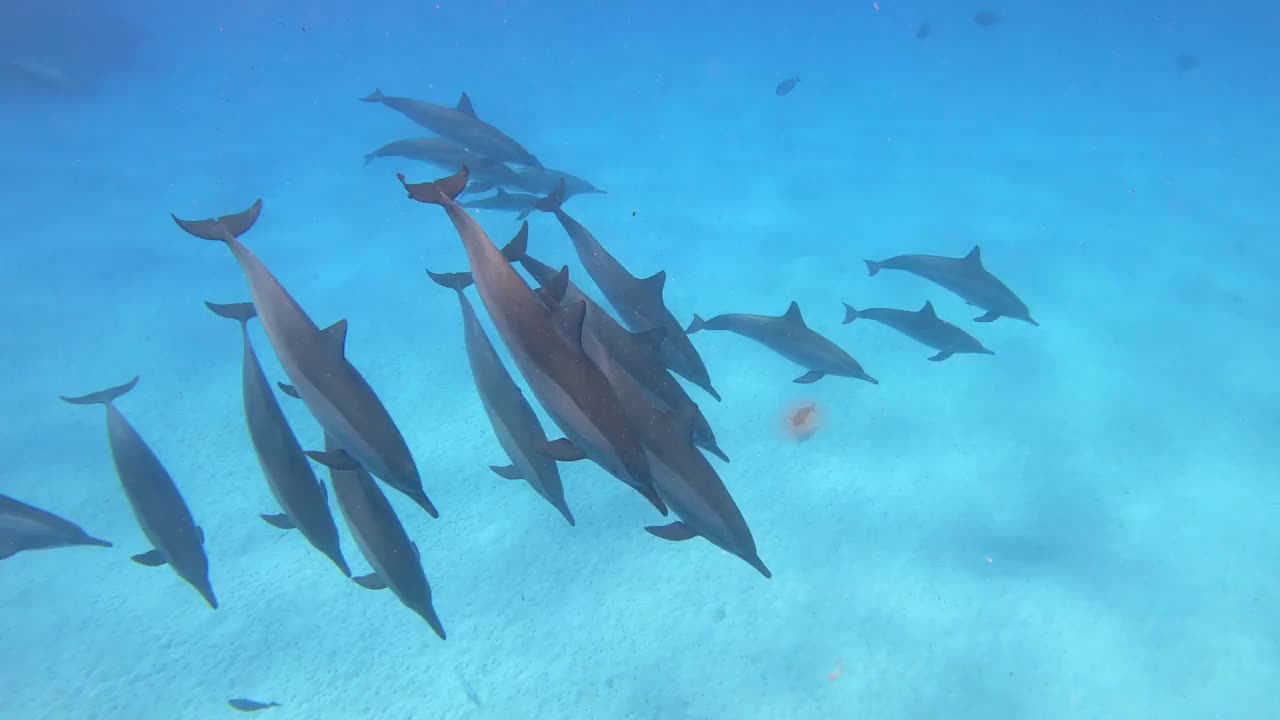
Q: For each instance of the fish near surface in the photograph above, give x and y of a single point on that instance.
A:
(162, 514)
(966, 277)
(790, 337)
(786, 86)
(315, 360)
(923, 326)
(460, 124)
(569, 386)
(637, 301)
(288, 471)
(514, 421)
(26, 527)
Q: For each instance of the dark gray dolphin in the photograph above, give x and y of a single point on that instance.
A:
(791, 338)
(157, 505)
(522, 203)
(448, 155)
(570, 387)
(460, 124)
(924, 326)
(606, 341)
(247, 705)
(545, 181)
(26, 527)
(316, 362)
(637, 301)
(514, 421)
(288, 472)
(965, 277)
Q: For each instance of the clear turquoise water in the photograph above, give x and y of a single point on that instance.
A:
(1078, 527)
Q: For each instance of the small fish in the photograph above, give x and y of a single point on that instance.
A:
(246, 705)
(923, 31)
(1187, 62)
(787, 86)
(987, 18)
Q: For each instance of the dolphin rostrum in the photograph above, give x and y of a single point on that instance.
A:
(514, 422)
(965, 277)
(569, 386)
(790, 337)
(316, 362)
(288, 471)
(26, 527)
(923, 326)
(460, 124)
(638, 301)
(157, 505)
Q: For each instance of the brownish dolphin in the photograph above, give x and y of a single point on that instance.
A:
(460, 124)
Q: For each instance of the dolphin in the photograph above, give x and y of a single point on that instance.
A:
(638, 301)
(288, 472)
(315, 360)
(447, 155)
(460, 124)
(603, 338)
(965, 277)
(570, 387)
(514, 421)
(247, 705)
(157, 505)
(791, 338)
(544, 181)
(514, 202)
(923, 326)
(26, 527)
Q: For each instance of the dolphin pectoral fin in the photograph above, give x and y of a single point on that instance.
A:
(989, 317)
(333, 459)
(941, 356)
(714, 450)
(150, 558)
(509, 472)
(289, 390)
(812, 376)
(370, 582)
(675, 532)
(562, 450)
(279, 520)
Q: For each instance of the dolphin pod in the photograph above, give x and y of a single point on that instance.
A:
(316, 362)
(157, 505)
(965, 277)
(26, 527)
(459, 124)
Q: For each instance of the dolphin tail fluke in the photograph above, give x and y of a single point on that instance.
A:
(375, 96)
(218, 228)
(697, 324)
(551, 203)
(438, 192)
(102, 397)
(872, 267)
(849, 314)
(456, 281)
(244, 312)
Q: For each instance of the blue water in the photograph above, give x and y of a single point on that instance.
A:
(1080, 526)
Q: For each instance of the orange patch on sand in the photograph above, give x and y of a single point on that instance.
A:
(834, 675)
(801, 421)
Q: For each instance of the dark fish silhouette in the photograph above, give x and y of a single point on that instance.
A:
(923, 31)
(965, 277)
(923, 326)
(608, 343)
(638, 301)
(157, 505)
(460, 124)
(26, 527)
(521, 203)
(790, 337)
(787, 86)
(289, 475)
(246, 705)
(1186, 62)
(570, 388)
(316, 362)
(514, 422)
(987, 18)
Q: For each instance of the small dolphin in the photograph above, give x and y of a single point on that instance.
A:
(637, 301)
(787, 86)
(965, 277)
(608, 343)
(447, 155)
(513, 202)
(791, 338)
(987, 18)
(544, 181)
(247, 705)
(289, 475)
(924, 326)
(157, 505)
(460, 124)
(316, 362)
(514, 421)
(1186, 62)
(570, 387)
(923, 31)
(26, 527)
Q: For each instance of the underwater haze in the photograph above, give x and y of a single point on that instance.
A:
(1072, 519)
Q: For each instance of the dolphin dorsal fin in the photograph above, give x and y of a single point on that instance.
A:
(334, 338)
(928, 309)
(464, 106)
(793, 315)
(571, 317)
(656, 282)
(974, 257)
(558, 284)
(502, 193)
